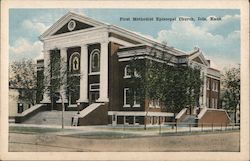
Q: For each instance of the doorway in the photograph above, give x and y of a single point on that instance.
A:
(93, 96)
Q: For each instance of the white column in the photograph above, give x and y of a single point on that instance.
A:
(104, 73)
(84, 74)
(46, 94)
(63, 75)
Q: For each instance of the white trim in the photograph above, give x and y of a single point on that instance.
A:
(63, 20)
(136, 105)
(94, 52)
(214, 77)
(70, 28)
(125, 103)
(199, 55)
(76, 38)
(140, 113)
(121, 42)
(126, 74)
(93, 84)
(144, 57)
(72, 105)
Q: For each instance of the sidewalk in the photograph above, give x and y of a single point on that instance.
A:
(111, 131)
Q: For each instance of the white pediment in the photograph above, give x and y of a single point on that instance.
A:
(66, 19)
(198, 57)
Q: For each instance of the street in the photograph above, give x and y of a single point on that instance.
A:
(224, 141)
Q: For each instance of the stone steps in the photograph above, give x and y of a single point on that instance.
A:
(51, 118)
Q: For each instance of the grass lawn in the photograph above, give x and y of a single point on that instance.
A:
(103, 135)
(16, 129)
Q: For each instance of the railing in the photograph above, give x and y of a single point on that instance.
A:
(172, 127)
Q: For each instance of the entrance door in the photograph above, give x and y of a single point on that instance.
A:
(114, 120)
(93, 96)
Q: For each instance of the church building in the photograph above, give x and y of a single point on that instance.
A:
(95, 57)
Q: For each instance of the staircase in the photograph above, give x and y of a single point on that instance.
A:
(51, 118)
(89, 109)
(94, 114)
(188, 119)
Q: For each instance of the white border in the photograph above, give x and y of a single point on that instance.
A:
(229, 4)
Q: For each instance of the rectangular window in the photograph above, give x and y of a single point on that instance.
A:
(136, 100)
(212, 103)
(208, 84)
(155, 103)
(94, 87)
(207, 102)
(215, 103)
(126, 97)
(216, 86)
(151, 104)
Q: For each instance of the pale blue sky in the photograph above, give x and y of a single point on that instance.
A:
(220, 41)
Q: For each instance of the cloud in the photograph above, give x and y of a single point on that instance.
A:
(34, 26)
(186, 35)
(228, 24)
(22, 48)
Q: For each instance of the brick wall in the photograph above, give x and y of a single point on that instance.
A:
(97, 117)
(215, 117)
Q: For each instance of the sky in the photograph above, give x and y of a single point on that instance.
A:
(218, 40)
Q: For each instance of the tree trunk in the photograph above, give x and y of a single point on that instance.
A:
(62, 112)
(235, 115)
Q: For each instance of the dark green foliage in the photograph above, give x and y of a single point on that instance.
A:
(176, 87)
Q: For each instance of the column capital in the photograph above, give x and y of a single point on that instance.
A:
(84, 45)
(104, 42)
(63, 48)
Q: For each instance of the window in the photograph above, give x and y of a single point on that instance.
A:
(127, 72)
(136, 73)
(216, 86)
(126, 97)
(155, 103)
(136, 100)
(212, 103)
(74, 62)
(215, 103)
(208, 84)
(207, 102)
(95, 61)
(94, 87)
(213, 86)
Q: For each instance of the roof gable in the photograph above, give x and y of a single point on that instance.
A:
(78, 26)
(61, 26)
(198, 57)
(198, 60)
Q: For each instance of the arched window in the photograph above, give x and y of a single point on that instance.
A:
(74, 62)
(95, 61)
(127, 71)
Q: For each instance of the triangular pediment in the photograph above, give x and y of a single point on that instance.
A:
(77, 25)
(69, 23)
(198, 58)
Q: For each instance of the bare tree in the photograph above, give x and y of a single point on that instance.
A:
(22, 75)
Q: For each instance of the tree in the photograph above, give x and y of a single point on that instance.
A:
(231, 85)
(176, 86)
(61, 81)
(23, 76)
